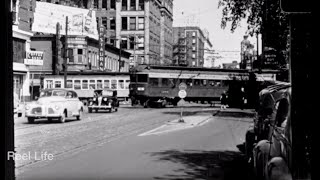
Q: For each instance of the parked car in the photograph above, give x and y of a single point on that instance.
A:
(55, 103)
(103, 100)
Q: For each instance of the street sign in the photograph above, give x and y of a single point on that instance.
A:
(182, 86)
(182, 94)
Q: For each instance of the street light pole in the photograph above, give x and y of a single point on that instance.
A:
(65, 55)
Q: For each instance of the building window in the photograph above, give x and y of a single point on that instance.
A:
(193, 34)
(113, 4)
(99, 84)
(57, 84)
(77, 84)
(141, 5)
(124, 5)
(124, 23)
(19, 50)
(133, 5)
(193, 41)
(84, 84)
(121, 84)
(70, 55)
(132, 42)
(132, 23)
(113, 23)
(113, 84)
(104, 4)
(105, 22)
(106, 84)
(69, 84)
(193, 48)
(193, 56)
(124, 43)
(97, 20)
(80, 55)
(30, 23)
(141, 42)
(49, 84)
(92, 84)
(95, 4)
(141, 23)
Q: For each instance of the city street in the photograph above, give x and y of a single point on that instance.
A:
(136, 143)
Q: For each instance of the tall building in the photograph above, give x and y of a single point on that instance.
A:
(189, 46)
(141, 27)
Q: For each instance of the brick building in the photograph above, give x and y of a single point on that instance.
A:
(142, 27)
(189, 46)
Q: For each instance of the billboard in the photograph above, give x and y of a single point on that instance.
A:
(80, 21)
(34, 58)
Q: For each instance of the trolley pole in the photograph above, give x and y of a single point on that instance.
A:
(65, 55)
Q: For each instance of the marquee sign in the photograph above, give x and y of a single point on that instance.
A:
(101, 47)
(34, 58)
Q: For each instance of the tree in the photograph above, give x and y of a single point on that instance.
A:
(263, 17)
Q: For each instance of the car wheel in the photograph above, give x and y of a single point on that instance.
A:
(90, 110)
(30, 120)
(110, 110)
(80, 115)
(62, 119)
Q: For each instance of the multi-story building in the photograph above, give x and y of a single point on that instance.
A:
(141, 27)
(188, 48)
(22, 16)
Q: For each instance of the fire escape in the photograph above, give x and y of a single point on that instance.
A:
(180, 52)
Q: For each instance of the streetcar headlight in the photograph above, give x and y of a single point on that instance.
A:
(56, 107)
(105, 99)
(94, 99)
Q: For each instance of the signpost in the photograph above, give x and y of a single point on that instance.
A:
(182, 94)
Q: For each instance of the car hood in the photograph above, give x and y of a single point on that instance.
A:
(47, 100)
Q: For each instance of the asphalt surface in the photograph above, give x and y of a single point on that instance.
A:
(137, 143)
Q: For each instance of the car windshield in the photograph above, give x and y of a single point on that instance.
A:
(52, 93)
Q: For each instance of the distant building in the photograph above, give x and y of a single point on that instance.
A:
(233, 65)
(189, 46)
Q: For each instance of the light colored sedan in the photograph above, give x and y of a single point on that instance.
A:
(55, 103)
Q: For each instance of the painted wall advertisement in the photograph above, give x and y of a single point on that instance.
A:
(34, 58)
(80, 21)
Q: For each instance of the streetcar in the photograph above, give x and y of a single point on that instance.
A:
(159, 85)
(86, 83)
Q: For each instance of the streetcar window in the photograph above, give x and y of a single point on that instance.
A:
(84, 84)
(69, 84)
(182, 80)
(214, 83)
(172, 82)
(121, 84)
(77, 84)
(165, 82)
(189, 82)
(99, 84)
(204, 82)
(197, 82)
(114, 84)
(57, 84)
(127, 84)
(106, 84)
(154, 81)
(142, 77)
(92, 84)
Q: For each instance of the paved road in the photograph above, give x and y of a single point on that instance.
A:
(135, 143)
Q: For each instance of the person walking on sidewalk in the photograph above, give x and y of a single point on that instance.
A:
(223, 100)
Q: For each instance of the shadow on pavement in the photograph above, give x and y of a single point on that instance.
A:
(206, 165)
(235, 114)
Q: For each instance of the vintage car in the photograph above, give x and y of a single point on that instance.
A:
(55, 103)
(103, 100)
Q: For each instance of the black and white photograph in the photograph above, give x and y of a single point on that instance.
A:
(158, 90)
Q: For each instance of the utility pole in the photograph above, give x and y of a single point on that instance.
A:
(120, 49)
(65, 55)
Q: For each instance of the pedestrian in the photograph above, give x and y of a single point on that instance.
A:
(223, 100)
(243, 99)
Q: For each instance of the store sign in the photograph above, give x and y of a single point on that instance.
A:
(80, 21)
(34, 58)
(101, 48)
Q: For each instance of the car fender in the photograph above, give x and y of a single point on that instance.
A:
(261, 157)
(277, 169)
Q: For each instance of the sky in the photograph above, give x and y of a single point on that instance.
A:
(205, 14)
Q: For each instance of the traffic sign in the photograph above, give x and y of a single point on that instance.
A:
(182, 86)
(182, 94)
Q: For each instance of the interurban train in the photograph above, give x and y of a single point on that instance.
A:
(159, 85)
(86, 82)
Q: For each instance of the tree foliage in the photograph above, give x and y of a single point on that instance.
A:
(263, 16)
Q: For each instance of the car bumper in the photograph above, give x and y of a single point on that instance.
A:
(100, 107)
(43, 116)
